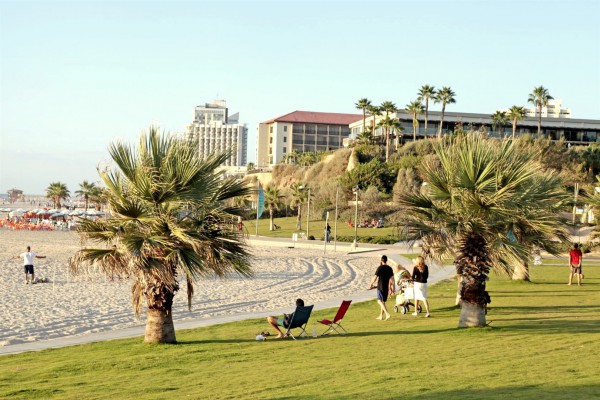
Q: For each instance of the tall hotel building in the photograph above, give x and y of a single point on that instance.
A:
(303, 131)
(217, 131)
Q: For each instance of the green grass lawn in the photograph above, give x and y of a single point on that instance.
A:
(543, 342)
(288, 227)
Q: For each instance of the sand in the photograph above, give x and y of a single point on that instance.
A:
(68, 306)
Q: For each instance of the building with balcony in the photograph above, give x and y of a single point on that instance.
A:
(303, 131)
(214, 130)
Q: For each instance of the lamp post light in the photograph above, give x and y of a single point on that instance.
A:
(355, 190)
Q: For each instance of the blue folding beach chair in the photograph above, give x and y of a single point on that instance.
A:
(299, 320)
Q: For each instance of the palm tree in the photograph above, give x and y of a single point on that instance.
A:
(169, 216)
(385, 125)
(516, 113)
(298, 197)
(425, 93)
(482, 207)
(86, 189)
(445, 96)
(539, 98)
(396, 130)
(365, 137)
(375, 112)
(387, 107)
(415, 108)
(293, 155)
(272, 203)
(363, 104)
(57, 191)
(499, 119)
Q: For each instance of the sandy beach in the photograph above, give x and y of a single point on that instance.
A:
(70, 306)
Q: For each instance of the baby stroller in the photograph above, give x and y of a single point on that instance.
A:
(404, 297)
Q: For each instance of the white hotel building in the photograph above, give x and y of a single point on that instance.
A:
(216, 131)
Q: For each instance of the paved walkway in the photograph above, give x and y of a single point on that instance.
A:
(436, 275)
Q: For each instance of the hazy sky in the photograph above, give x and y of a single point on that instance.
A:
(76, 75)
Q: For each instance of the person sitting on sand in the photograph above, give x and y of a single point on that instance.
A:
(284, 321)
(28, 257)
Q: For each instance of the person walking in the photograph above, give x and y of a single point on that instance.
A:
(28, 257)
(419, 276)
(575, 258)
(384, 276)
(327, 233)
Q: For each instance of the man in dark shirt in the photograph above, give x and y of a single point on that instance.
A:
(385, 285)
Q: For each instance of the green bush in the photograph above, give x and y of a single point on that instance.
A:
(369, 239)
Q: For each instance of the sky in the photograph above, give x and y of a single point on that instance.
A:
(78, 75)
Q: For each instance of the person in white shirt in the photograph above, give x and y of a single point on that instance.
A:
(28, 257)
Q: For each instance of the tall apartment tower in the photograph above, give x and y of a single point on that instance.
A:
(217, 131)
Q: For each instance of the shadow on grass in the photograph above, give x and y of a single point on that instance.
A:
(521, 392)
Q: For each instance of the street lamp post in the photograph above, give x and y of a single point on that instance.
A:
(308, 211)
(337, 189)
(355, 190)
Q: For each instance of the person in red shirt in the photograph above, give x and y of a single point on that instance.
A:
(575, 258)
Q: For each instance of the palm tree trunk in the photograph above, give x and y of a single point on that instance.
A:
(521, 272)
(514, 127)
(441, 121)
(540, 120)
(426, 114)
(271, 227)
(159, 322)
(364, 120)
(159, 327)
(414, 129)
(471, 315)
(86, 202)
(387, 144)
(299, 219)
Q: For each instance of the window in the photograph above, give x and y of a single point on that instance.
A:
(285, 139)
(271, 129)
(285, 150)
(285, 128)
(271, 139)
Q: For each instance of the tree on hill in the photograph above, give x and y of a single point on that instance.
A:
(539, 98)
(272, 202)
(516, 113)
(298, 197)
(445, 96)
(57, 191)
(168, 216)
(426, 93)
(374, 111)
(387, 107)
(482, 206)
(415, 108)
(364, 105)
(499, 119)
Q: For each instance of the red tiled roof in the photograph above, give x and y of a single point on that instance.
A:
(313, 117)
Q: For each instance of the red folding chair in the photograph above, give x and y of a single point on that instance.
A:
(333, 325)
